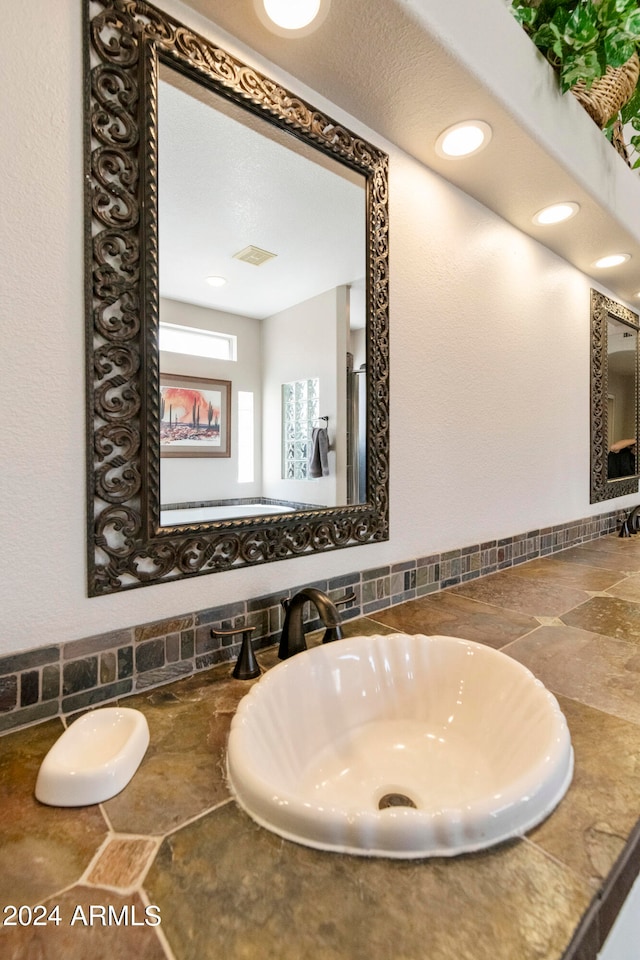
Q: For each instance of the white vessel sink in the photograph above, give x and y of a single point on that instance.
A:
(94, 759)
(399, 746)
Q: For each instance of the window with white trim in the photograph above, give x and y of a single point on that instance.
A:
(196, 342)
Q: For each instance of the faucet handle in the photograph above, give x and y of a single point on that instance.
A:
(246, 667)
(335, 633)
(348, 597)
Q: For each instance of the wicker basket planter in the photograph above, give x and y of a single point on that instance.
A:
(609, 93)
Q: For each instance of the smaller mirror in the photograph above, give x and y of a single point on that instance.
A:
(615, 385)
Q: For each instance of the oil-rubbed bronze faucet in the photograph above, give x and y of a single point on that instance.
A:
(292, 640)
(631, 523)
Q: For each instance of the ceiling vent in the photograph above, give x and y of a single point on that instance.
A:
(254, 255)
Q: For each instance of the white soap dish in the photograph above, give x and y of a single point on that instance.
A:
(94, 759)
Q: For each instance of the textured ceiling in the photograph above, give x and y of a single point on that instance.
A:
(409, 68)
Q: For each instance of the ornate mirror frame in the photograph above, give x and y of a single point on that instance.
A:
(602, 308)
(124, 41)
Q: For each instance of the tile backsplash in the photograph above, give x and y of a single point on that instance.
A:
(67, 677)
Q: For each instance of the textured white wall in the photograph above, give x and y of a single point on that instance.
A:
(183, 479)
(489, 364)
(304, 342)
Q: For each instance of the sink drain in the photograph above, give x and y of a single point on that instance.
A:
(395, 800)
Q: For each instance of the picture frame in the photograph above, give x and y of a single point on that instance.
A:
(195, 416)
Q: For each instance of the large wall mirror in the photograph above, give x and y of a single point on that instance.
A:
(237, 312)
(615, 399)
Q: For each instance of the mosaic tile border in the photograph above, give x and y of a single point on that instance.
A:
(64, 678)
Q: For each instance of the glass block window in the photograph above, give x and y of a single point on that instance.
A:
(300, 412)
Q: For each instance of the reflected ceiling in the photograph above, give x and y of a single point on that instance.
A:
(225, 185)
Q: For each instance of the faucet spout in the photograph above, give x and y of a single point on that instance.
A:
(292, 639)
(631, 523)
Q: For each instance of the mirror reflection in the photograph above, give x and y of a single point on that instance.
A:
(615, 389)
(622, 390)
(262, 311)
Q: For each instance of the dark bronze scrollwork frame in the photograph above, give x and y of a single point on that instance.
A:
(602, 488)
(124, 42)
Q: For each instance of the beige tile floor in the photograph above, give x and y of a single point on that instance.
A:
(173, 844)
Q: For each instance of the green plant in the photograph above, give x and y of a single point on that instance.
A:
(581, 38)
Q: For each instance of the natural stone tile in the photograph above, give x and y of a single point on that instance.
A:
(381, 604)
(171, 671)
(122, 863)
(42, 849)
(374, 590)
(161, 627)
(88, 698)
(88, 929)
(217, 657)
(90, 645)
(28, 660)
(265, 602)
(362, 627)
(274, 898)
(19, 718)
(108, 667)
(375, 573)
(8, 693)
(627, 589)
(79, 675)
(206, 641)
(456, 616)
(50, 682)
(150, 655)
(528, 596)
(576, 574)
(260, 620)
(428, 574)
(599, 671)
(183, 772)
(172, 646)
(604, 555)
(607, 615)
(218, 614)
(588, 830)
(187, 643)
(125, 662)
(615, 544)
(29, 688)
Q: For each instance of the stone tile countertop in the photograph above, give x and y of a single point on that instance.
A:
(171, 869)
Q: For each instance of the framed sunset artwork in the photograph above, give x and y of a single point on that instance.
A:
(195, 417)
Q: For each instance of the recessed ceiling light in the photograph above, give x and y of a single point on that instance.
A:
(463, 139)
(216, 281)
(556, 213)
(292, 17)
(612, 261)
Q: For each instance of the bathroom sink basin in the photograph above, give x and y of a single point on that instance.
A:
(399, 746)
